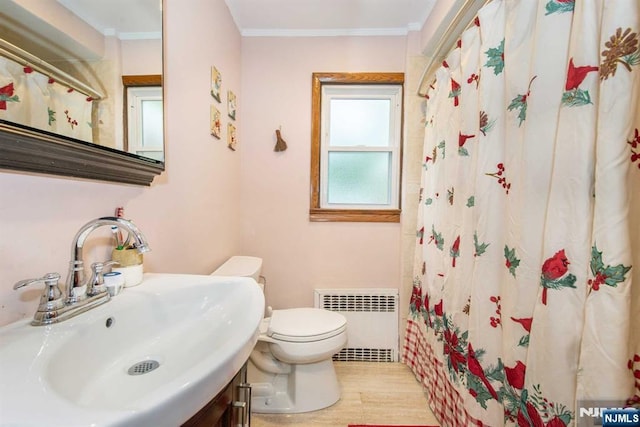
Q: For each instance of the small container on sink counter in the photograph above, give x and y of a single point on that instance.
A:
(129, 265)
(114, 281)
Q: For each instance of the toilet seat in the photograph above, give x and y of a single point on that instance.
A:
(305, 325)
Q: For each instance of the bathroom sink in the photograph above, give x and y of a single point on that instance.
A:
(153, 355)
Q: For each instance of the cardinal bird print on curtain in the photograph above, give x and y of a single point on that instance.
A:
(524, 296)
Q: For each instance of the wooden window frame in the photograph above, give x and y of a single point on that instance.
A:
(317, 213)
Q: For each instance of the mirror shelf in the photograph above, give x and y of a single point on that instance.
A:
(26, 150)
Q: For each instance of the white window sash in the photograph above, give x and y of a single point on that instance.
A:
(390, 92)
(136, 96)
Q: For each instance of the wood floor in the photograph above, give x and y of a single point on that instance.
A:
(372, 393)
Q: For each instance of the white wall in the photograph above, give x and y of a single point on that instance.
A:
(190, 214)
(411, 169)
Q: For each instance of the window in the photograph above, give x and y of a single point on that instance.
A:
(356, 147)
(144, 116)
(145, 122)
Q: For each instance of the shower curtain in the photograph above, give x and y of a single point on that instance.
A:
(30, 98)
(526, 296)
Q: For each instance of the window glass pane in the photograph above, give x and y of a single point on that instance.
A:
(151, 123)
(359, 122)
(359, 177)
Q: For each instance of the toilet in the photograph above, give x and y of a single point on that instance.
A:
(290, 369)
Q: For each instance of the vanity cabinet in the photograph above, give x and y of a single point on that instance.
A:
(230, 408)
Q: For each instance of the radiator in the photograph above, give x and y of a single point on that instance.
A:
(372, 322)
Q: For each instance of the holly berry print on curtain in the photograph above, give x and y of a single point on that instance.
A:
(524, 305)
(30, 98)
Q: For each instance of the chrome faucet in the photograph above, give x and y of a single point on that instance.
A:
(76, 278)
(80, 294)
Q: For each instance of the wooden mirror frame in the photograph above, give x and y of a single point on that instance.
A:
(30, 150)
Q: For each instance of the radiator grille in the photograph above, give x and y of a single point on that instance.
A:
(372, 322)
(367, 303)
(365, 355)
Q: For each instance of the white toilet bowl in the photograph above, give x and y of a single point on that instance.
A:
(290, 368)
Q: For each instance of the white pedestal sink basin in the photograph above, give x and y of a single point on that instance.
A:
(185, 336)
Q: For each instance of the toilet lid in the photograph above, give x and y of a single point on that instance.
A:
(305, 324)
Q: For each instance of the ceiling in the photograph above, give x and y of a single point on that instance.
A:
(267, 17)
(141, 18)
(328, 17)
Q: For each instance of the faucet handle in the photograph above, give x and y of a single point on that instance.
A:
(99, 266)
(50, 279)
(51, 298)
(96, 284)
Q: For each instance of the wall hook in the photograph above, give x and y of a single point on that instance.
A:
(281, 145)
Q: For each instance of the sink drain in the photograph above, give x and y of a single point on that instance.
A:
(143, 367)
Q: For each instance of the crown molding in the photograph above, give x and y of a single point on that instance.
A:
(333, 32)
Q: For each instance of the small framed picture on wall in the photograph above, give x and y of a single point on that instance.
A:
(231, 137)
(216, 84)
(231, 104)
(215, 122)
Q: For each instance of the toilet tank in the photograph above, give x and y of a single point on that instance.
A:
(242, 266)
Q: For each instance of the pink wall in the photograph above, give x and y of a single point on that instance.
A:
(298, 255)
(212, 203)
(35, 12)
(189, 214)
(141, 56)
(437, 22)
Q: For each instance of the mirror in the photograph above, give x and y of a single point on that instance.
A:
(56, 49)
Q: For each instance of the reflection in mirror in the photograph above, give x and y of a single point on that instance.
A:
(143, 116)
(38, 95)
(59, 48)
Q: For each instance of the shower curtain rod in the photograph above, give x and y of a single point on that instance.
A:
(23, 57)
(463, 18)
